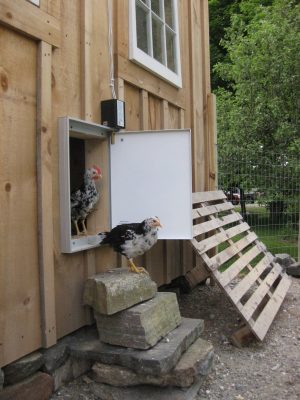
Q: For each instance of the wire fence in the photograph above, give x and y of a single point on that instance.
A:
(266, 191)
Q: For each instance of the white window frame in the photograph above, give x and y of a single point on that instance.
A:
(35, 2)
(145, 60)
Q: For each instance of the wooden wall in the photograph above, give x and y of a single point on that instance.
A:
(62, 68)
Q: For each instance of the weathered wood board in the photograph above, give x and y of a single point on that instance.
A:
(242, 266)
(19, 270)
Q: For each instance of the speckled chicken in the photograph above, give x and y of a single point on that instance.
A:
(132, 240)
(84, 199)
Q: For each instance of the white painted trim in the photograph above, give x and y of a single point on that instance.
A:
(149, 63)
(71, 127)
(36, 2)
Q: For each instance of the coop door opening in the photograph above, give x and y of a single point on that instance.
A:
(77, 169)
(80, 148)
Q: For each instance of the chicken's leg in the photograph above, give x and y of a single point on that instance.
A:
(134, 268)
(77, 229)
(84, 232)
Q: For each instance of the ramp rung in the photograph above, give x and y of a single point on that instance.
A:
(265, 319)
(216, 223)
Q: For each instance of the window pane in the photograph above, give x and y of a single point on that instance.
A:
(157, 40)
(155, 6)
(171, 55)
(169, 13)
(141, 29)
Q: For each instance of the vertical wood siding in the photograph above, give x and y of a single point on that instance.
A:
(19, 271)
(77, 44)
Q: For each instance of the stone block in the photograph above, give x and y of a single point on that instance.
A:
(70, 370)
(147, 392)
(23, 368)
(197, 360)
(1, 378)
(284, 259)
(38, 387)
(56, 355)
(155, 361)
(142, 325)
(117, 290)
(294, 269)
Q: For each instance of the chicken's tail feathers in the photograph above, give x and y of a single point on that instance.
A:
(102, 236)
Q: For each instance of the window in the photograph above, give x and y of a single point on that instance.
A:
(154, 37)
(36, 2)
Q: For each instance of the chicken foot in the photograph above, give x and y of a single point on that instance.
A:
(134, 268)
(78, 232)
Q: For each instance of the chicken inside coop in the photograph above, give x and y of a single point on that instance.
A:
(84, 199)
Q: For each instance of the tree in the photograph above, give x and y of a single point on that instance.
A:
(220, 13)
(258, 110)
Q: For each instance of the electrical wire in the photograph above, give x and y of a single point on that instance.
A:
(110, 49)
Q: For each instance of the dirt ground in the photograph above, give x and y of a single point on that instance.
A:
(260, 371)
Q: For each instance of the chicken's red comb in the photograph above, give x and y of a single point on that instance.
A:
(97, 169)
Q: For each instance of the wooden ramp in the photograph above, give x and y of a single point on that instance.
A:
(229, 250)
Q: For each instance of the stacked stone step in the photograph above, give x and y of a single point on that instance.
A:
(146, 348)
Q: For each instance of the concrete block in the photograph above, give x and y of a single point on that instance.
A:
(142, 325)
(117, 290)
(155, 361)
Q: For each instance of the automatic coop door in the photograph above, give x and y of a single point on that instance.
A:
(151, 175)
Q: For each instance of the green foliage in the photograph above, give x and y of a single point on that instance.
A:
(258, 109)
(220, 12)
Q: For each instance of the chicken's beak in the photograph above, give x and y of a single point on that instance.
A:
(158, 224)
(99, 176)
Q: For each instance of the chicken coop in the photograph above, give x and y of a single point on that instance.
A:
(59, 59)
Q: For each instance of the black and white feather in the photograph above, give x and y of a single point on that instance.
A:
(132, 240)
(84, 199)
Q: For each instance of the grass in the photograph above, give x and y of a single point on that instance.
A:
(279, 237)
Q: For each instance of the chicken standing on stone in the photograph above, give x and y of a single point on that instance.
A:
(132, 240)
(84, 199)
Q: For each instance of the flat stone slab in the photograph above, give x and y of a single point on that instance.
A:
(142, 325)
(23, 368)
(117, 290)
(155, 361)
(145, 392)
(196, 361)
